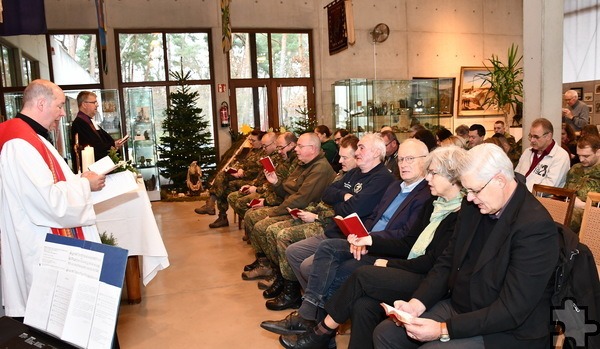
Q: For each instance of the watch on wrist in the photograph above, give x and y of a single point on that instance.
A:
(444, 336)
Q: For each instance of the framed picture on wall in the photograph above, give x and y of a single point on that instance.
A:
(597, 104)
(472, 91)
(446, 94)
(588, 96)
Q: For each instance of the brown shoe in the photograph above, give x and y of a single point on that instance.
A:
(206, 210)
(260, 272)
(220, 222)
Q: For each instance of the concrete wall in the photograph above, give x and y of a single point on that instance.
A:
(427, 38)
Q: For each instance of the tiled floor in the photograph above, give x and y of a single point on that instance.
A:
(200, 301)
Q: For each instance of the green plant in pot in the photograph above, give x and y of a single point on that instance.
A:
(505, 81)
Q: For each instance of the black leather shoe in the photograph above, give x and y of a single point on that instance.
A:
(275, 289)
(256, 263)
(289, 298)
(307, 340)
(292, 324)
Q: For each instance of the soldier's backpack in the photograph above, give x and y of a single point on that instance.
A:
(576, 293)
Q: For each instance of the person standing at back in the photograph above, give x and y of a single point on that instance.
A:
(85, 131)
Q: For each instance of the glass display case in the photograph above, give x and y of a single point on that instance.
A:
(142, 137)
(108, 116)
(362, 105)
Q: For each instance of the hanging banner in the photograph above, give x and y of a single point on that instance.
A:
(225, 26)
(102, 34)
(336, 25)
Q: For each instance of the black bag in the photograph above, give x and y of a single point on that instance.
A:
(576, 293)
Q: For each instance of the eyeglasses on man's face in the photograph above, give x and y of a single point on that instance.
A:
(265, 146)
(91, 102)
(409, 159)
(281, 147)
(536, 137)
(476, 192)
(302, 146)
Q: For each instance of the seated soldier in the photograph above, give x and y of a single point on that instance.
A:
(359, 191)
(584, 177)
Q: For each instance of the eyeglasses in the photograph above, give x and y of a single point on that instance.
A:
(431, 173)
(253, 140)
(536, 137)
(279, 147)
(91, 102)
(476, 192)
(265, 146)
(304, 145)
(337, 139)
(409, 159)
(388, 143)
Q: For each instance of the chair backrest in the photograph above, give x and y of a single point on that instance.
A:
(558, 201)
(590, 224)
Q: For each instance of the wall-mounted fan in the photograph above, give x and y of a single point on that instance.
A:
(380, 33)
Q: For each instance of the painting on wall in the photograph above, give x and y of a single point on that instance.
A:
(472, 91)
(588, 97)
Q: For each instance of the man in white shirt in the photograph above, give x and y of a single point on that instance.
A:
(545, 162)
(39, 194)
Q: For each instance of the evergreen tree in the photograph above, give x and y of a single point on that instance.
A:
(186, 137)
(306, 122)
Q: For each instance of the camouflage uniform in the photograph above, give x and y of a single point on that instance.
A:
(225, 183)
(282, 234)
(239, 202)
(583, 180)
(306, 182)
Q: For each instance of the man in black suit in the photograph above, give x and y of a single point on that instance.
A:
(489, 288)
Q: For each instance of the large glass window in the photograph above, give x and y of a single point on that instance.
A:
(75, 59)
(7, 63)
(270, 77)
(147, 59)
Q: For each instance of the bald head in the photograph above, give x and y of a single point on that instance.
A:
(44, 101)
(308, 147)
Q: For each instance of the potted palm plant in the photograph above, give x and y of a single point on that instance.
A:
(505, 81)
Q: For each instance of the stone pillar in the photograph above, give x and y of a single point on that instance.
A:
(542, 62)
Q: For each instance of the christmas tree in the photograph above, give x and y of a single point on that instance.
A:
(186, 136)
(306, 122)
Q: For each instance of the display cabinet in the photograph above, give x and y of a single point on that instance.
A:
(108, 116)
(362, 105)
(142, 137)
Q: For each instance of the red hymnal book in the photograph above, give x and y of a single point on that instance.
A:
(268, 164)
(231, 170)
(253, 203)
(351, 224)
(294, 212)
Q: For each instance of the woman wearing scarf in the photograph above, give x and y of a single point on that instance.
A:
(402, 266)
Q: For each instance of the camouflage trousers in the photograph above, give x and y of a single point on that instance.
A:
(253, 219)
(223, 185)
(576, 219)
(282, 234)
(239, 202)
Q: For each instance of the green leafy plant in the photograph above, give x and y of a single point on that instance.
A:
(108, 239)
(306, 122)
(505, 81)
(121, 164)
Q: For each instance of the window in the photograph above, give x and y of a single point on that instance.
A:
(146, 58)
(271, 78)
(75, 59)
(31, 69)
(7, 62)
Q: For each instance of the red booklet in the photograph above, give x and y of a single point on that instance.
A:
(351, 224)
(231, 170)
(294, 212)
(253, 203)
(268, 164)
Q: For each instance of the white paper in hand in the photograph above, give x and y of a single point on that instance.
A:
(402, 316)
(102, 166)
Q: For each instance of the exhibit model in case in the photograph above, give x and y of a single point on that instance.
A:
(142, 135)
(363, 105)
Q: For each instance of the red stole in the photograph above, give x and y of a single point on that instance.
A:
(537, 158)
(17, 128)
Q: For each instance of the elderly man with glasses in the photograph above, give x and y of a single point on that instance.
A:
(489, 287)
(576, 114)
(545, 162)
(85, 131)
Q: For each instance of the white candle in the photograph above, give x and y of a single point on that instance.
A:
(87, 158)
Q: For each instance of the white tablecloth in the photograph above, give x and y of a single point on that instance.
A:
(130, 219)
